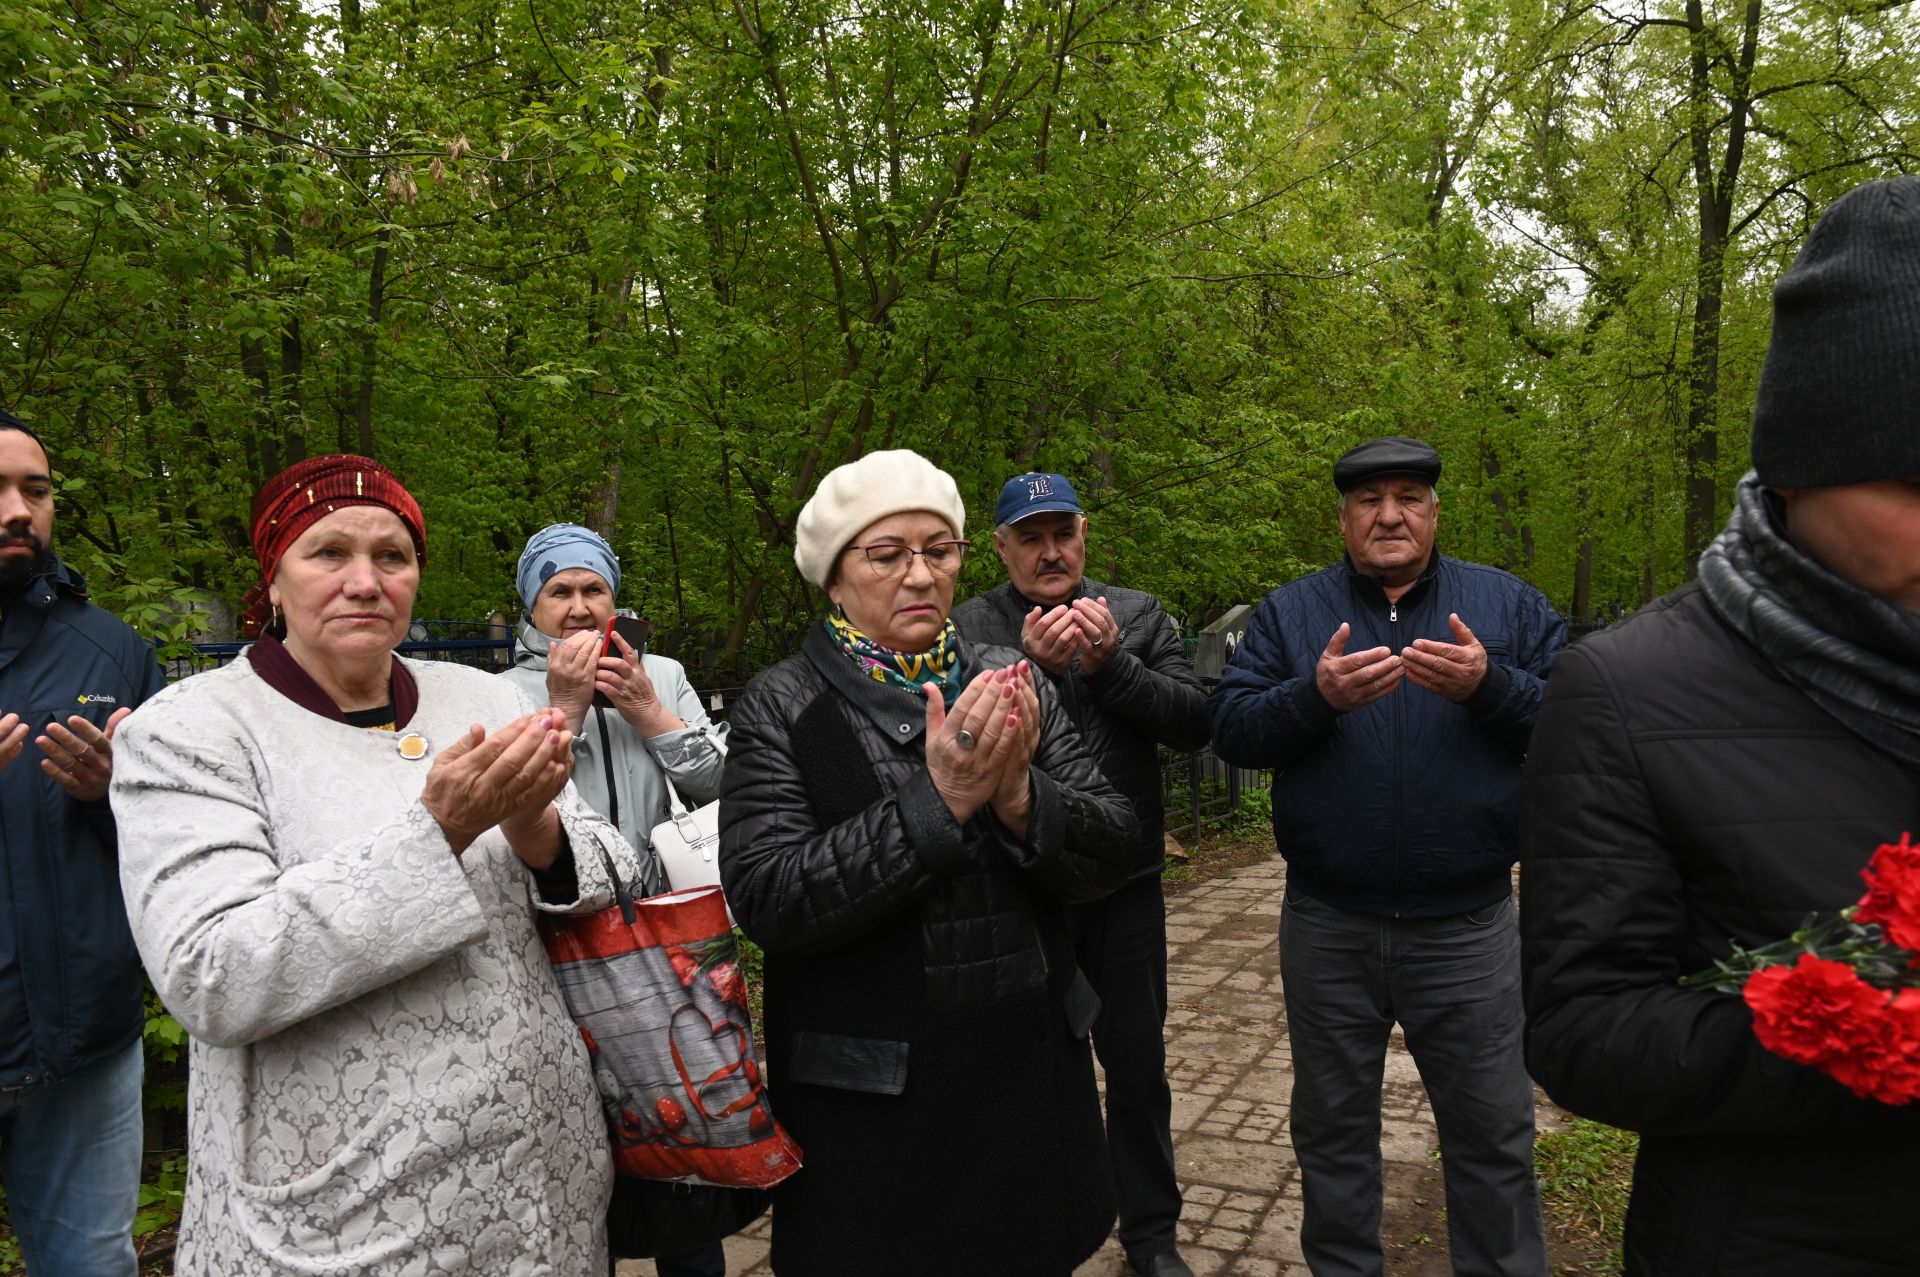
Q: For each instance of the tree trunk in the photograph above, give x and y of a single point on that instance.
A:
(1715, 197)
(370, 340)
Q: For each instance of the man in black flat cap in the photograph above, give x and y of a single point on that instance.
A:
(1393, 694)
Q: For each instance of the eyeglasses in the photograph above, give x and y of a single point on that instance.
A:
(890, 559)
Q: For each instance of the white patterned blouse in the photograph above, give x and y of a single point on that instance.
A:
(384, 1080)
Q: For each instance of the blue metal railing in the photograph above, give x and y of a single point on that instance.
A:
(466, 642)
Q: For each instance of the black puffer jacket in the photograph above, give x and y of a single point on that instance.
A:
(1406, 807)
(925, 1021)
(1681, 794)
(1145, 695)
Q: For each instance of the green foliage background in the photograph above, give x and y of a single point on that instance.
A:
(657, 266)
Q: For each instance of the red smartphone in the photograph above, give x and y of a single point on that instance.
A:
(635, 631)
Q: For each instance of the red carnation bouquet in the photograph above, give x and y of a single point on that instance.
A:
(1843, 995)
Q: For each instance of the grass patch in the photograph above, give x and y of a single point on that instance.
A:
(1220, 852)
(1586, 1172)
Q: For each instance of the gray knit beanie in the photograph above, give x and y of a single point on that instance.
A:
(1840, 394)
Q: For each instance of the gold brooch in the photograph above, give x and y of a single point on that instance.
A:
(413, 747)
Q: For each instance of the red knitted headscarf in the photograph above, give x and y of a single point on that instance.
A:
(308, 491)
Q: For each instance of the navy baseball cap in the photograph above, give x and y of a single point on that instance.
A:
(1035, 493)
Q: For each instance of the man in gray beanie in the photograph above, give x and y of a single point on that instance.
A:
(1724, 763)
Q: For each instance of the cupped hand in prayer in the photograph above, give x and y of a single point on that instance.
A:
(508, 778)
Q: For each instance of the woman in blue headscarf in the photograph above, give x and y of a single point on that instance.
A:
(568, 579)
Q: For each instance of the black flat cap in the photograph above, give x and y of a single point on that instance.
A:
(1394, 454)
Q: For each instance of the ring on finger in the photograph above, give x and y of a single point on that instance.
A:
(964, 739)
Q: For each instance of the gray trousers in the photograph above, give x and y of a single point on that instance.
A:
(1454, 986)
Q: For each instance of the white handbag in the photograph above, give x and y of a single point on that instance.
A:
(688, 841)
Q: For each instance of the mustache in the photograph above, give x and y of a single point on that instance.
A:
(1050, 566)
(27, 539)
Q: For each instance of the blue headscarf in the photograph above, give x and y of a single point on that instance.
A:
(560, 546)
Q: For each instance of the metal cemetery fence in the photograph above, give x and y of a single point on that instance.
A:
(476, 643)
(1201, 792)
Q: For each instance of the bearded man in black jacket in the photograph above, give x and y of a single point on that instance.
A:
(1117, 660)
(1724, 762)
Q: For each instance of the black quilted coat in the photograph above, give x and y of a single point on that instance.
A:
(1407, 807)
(1681, 794)
(925, 1022)
(1144, 696)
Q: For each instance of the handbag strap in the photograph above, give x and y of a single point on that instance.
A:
(606, 760)
(622, 891)
(676, 806)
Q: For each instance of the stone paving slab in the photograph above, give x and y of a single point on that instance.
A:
(1231, 1072)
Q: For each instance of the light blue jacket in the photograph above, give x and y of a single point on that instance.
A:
(692, 757)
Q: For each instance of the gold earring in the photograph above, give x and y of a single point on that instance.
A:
(277, 623)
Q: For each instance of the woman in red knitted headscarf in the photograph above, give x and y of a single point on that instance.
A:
(332, 858)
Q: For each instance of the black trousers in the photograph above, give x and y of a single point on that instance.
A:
(1121, 945)
(708, 1261)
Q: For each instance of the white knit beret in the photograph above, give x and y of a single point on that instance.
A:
(861, 492)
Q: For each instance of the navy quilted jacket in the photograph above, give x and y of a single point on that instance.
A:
(69, 977)
(1406, 807)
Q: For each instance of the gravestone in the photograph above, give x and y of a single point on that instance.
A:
(1219, 640)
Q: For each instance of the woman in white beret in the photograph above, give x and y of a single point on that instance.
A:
(902, 819)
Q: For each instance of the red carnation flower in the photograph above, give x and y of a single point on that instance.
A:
(1843, 1006)
(1812, 1011)
(1893, 892)
(1883, 1059)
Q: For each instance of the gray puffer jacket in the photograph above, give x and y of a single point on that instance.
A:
(692, 757)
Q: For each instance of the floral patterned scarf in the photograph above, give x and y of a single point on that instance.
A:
(909, 670)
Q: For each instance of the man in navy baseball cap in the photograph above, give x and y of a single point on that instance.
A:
(1035, 493)
(1117, 658)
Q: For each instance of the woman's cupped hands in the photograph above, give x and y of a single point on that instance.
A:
(508, 777)
(577, 668)
(980, 751)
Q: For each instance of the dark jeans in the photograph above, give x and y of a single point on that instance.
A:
(1121, 944)
(1454, 986)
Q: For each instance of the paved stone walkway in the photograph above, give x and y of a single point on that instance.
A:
(1227, 1057)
